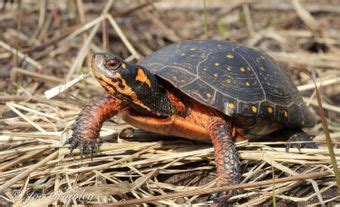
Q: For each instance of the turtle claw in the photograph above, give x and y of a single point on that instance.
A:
(91, 153)
(81, 152)
(220, 199)
(97, 146)
(84, 145)
(71, 150)
(301, 137)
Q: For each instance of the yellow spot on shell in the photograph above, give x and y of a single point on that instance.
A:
(229, 68)
(215, 75)
(124, 66)
(242, 69)
(228, 81)
(285, 113)
(270, 110)
(254, 109)
(231, 105)
(262, 68)
(192, 49)
(247, 84)
(209, 95)
(216, 64)
(230, 55)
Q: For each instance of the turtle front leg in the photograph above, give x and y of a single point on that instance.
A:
(89, 122)
(226, 157)
(297, 136)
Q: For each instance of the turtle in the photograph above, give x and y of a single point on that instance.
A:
(204, 90)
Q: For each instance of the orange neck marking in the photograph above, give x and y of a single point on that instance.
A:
(143, 78)
(127, 90)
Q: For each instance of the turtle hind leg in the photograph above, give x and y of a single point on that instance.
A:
(300, 136)
(226, 158)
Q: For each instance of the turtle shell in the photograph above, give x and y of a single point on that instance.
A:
(236, 80)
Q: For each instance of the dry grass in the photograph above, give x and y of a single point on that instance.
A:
(44, 44)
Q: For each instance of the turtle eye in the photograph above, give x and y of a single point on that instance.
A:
(112, 64)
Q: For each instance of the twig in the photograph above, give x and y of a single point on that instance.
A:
(10, 105)
(122, 36)
(205, 19)
(27, 171)
(21, 159)
(83, 28)
(20, 55)
(84, 49)
(42, 15)
(25, 125)
(129, 11)
(219, 189)
(306, 16)
(193, 5)
(15, 71)
(328, 139)
(106, 35)
(249, 21)
(81, 15)
(50, 93)
(312, 8)
(82, 53)
(319, 83)
(81, 12)
(34, 111)
(322, 61)
(324, 105)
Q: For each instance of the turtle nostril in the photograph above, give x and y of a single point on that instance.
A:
(97, 56)
(94, 57)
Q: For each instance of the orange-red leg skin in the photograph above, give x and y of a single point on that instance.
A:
(226, 156)
(90, 120)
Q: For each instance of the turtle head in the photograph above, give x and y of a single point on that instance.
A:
(128, 82)
(106, 65)
(108, 68)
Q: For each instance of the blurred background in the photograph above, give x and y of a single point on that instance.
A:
(46, 43)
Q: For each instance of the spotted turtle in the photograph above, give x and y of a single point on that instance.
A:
(204, 90)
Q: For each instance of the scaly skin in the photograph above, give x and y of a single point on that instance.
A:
(89, 122)
(221, 131)
(298, 136)
(226, 156)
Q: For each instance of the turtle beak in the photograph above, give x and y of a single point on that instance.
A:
(97, 60)
(97, 65)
